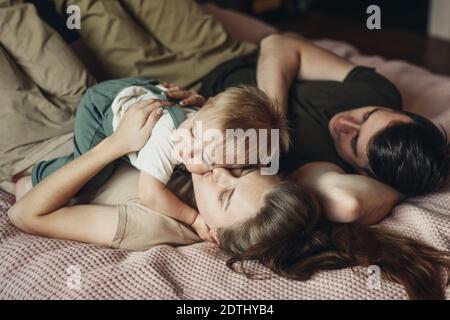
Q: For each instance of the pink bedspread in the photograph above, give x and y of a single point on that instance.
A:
(38, 268)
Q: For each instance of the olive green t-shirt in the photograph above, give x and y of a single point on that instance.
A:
(311, 105)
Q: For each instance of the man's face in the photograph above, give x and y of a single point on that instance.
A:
(352, 131)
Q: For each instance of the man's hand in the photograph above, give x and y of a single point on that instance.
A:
(202, 229)
(187, 97)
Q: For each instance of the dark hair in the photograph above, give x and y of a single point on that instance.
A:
(412, 157)
(291, 237)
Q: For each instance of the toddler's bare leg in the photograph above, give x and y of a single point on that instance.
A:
(23, 186)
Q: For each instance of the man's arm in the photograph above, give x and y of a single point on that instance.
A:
(284, 58)
(347, 197)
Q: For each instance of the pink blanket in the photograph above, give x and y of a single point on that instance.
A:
(38, 268)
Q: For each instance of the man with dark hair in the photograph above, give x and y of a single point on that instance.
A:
(406, 151)
(351, 143)
(412, 157)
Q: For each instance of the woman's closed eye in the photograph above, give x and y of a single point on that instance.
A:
(225, 198)
(226, 194)
(221, 194)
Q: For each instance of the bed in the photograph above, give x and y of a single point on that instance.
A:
(38, 268)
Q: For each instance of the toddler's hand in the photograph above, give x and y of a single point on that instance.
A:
(202, 229)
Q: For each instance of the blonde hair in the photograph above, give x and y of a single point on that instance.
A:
(246, 107)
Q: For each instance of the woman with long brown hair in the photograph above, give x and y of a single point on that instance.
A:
(291, 236)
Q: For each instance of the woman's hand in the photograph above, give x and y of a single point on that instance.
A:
(187, 97)
(137, 124)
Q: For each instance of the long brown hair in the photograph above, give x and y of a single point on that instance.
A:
(292, 237)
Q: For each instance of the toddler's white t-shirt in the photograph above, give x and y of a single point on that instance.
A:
(157, 156)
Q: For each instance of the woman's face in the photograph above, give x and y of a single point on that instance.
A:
(226, 197)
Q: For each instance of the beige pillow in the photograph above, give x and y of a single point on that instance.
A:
(170, 40)
(9, 3)
(41, 82)
(240, 26)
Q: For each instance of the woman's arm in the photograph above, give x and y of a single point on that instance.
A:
(347, 197)
(42, 210)
(284, 58)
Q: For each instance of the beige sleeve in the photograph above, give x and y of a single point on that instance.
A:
(139, 228)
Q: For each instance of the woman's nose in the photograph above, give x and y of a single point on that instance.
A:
(221, 175)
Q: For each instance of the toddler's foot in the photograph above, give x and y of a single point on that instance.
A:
(23, 186)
